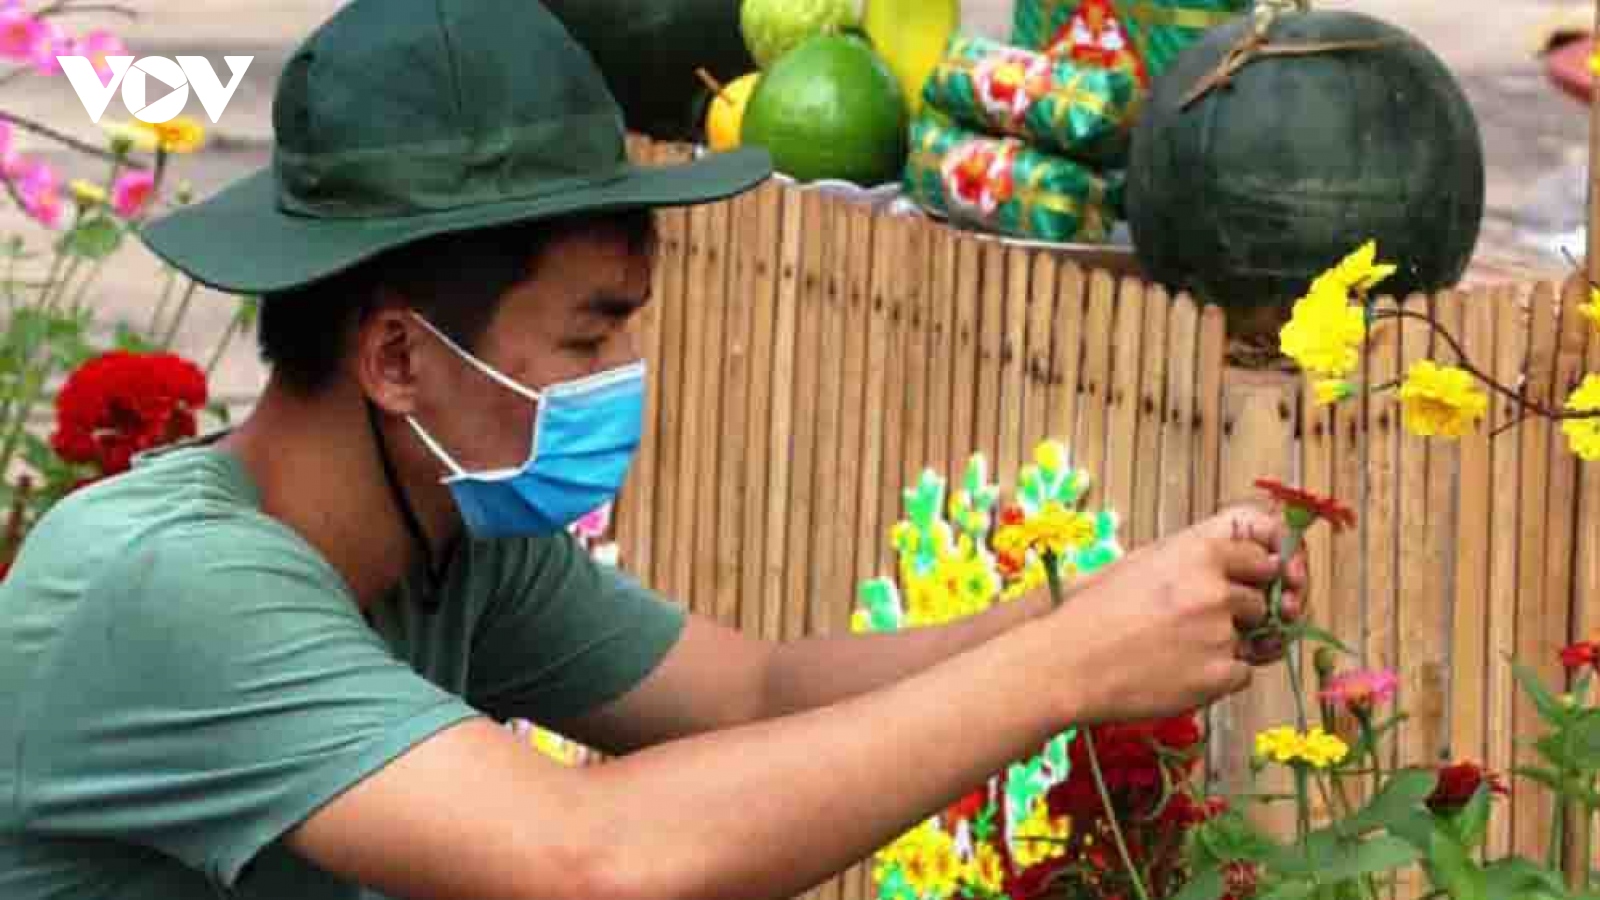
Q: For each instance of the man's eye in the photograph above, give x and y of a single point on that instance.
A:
(586, 345)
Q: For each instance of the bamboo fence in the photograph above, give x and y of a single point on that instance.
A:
(810, 358)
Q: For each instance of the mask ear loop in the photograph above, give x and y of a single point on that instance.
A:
(501, 379)
(435, 573)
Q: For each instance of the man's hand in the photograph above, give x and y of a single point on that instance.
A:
(1163, 631)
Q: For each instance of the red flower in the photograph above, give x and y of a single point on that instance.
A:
(1337, 514)
(1012, 515)
(1457, 785)
(1035, 881)
(1241, 878)
(119, 404)
(1132, 766)
(968, 807)
(1583, 653)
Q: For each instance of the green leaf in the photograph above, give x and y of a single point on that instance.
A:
(1550, 708)
(1402, 795)
(1470, 824)
(1380, 854)
(1517, 877)
(1584, 740)
(1206, 885)
(1547, 777)
(1287, 890)
(1452, 868)
(94, 238)
(1312, 632)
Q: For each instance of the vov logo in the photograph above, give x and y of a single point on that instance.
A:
(134, 77)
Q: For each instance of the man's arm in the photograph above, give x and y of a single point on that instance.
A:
(719, 677)
(772, 808)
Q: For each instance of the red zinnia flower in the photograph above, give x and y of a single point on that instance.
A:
(1132, 767)
(1458, 783)
(1241, 878)
(1338, 515)
(119, 404)
(1583, 653)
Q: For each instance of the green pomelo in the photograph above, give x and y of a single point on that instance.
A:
(830, 108)
(772, 28)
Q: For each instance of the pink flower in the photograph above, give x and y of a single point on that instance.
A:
(5, 140)
(1361, 690)
(19, 34)
(40, 190)
(51, 41)
(96, 46)
(131, 193)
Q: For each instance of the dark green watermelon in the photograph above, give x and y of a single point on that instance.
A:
(1260, 186)
(649, 50)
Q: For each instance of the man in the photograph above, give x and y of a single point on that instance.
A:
(270, 664)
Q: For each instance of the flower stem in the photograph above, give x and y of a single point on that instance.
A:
(1111, 816)
(178, 316)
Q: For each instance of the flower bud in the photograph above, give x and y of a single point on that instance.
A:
(1326, 662)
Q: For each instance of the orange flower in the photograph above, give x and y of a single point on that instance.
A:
(1317, 506)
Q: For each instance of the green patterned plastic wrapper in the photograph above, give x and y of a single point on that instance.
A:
(1001, 185)
(1141, 37)
(1057, 105)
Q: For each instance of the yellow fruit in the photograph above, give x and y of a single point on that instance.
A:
(911, 36)
(725, 119)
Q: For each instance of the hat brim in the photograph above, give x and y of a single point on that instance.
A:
(241, 242)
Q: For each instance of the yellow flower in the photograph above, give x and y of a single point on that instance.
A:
(1051, 456)
(1039, 837)
(1057, 529)
(1325, 333)
(859, 621)
(986, 869)
(1584, 434)
(1591, 310)
(182, 134)
(1594, 63)
(1316, 748)
(1332, 390)
(1440, 401)
(87, 193)
(929, 863)
(1360, 271)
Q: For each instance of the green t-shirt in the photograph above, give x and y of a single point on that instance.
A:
(183, 680)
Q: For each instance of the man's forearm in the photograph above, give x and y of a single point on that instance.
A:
(817, 671)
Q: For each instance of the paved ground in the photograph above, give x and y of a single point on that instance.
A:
(1532, 134)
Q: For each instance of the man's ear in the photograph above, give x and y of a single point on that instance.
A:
(386, 355)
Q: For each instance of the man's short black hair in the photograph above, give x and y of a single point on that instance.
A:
(456, 281)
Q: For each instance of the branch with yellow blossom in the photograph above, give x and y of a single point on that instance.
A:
(1326, 336)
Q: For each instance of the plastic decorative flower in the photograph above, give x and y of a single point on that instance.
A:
(1583, 434)
(1305, 507)
(1040, 836)
(132, 192)
(1458, 783)
(1315, 748)
(1361, 690)
(1325, 332)
(986, 869)
(121, 403)
(1440, 401)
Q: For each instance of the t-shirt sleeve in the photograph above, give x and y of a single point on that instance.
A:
(565, 634)
(212, 692)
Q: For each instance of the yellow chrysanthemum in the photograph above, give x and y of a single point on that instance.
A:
(1315, 748)
(87, 193)
(859, 622)
(1039, 837)
(1440, 401)
(1584, 434)
(945, 868)
(1057, 529)
(1325, 333)
(986, 869)
(1332, 390)
(1360, 271)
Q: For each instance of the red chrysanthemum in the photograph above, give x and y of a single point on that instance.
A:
(1458, 783)
(1132, 764)
(1338, 515)
(120, 403)
(1035, 881)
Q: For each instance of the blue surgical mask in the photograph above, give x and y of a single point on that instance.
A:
(585, 433)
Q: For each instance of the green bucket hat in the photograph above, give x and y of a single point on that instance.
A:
(397, 120)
